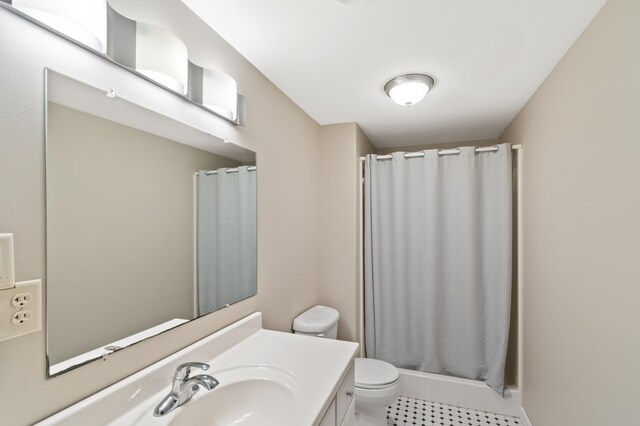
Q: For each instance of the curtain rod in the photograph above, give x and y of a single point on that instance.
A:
(230, 170)
(454, 151)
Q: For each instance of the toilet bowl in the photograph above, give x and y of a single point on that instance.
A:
(377, 383)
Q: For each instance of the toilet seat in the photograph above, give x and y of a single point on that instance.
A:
(374, 374)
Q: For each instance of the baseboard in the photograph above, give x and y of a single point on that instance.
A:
(525, 418)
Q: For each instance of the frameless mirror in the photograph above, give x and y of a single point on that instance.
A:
(150, 223)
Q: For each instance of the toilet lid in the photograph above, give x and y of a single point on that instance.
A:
(318, 319)
(371, 373)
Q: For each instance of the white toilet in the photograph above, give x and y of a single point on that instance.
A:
(377, 383)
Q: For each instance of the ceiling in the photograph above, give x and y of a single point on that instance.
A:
(332, 59)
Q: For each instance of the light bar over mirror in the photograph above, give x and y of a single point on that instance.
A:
(147, 50)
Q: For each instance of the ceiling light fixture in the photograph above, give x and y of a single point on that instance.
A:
(408, 89)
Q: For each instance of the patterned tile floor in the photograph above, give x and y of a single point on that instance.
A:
(408, 412)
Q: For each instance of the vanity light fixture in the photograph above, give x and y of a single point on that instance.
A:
(148, 49)
(409, 89)
(220, 93)
(161, 56)
(84, 21)
(214, 90)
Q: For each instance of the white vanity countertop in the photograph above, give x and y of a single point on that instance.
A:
(315, 365)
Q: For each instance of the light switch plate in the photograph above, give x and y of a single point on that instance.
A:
(7, 278)
(25, 319)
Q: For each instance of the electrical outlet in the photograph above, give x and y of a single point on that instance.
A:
(21, 309)
(21, 317)
(21, 300)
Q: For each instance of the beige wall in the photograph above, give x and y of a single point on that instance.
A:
(580, 133)
(287, 144)
(342, 146)
(93, 254)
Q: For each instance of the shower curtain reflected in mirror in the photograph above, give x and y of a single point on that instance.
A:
(438, 253)
(226, 233)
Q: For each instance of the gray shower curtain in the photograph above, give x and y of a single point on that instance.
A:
(438, 262)
(226, 238)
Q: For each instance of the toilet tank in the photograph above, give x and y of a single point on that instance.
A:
(319, 321)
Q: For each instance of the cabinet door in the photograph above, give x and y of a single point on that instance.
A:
(345, 395)
(329, 418)
(350, 417)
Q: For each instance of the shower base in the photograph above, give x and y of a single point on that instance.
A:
(458, 392)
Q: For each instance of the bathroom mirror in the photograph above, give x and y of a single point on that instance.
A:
(150, 223)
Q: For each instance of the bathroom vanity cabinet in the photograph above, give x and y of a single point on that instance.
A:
(342, 410)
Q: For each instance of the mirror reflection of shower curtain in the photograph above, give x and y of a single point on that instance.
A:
(438, 253)
(226, 238)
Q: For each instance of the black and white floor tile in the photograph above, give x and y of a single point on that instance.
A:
(409, 411)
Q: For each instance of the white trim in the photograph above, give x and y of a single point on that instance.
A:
(525, 419)
(360, 301)
(195, 246)
(519, 157)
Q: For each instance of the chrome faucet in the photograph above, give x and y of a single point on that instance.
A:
(184, 387)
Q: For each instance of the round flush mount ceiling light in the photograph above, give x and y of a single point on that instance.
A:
(408, 89)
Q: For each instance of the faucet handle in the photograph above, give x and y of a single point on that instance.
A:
(183, 370)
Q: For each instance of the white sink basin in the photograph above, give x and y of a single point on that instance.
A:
(247, 396)
(243, 403)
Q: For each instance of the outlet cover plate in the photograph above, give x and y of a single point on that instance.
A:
(9, 330)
